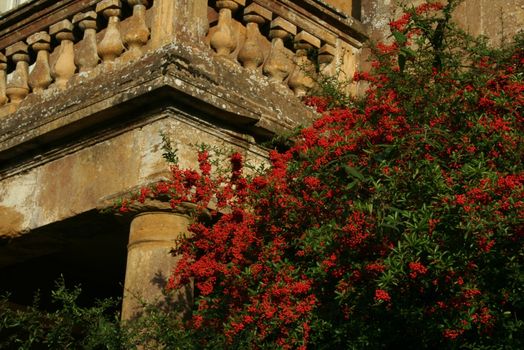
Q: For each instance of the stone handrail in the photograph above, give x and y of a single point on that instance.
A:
(290, 44)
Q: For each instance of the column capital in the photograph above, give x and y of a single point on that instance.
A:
(158, 205)
(150, 205)
(134, 207)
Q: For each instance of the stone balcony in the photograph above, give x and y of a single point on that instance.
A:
(87, 87)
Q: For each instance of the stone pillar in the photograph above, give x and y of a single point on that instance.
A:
(149, 261)
(175, 20)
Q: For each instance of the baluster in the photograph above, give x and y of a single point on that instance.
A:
(40, 77)
(111, 45)
(87, 55)
(3, 75)
(252, 55)
(64, 66)
(301, 80)
(279, 63)
(223, 40)
(138, 33)
(17, 87)
(326, 55)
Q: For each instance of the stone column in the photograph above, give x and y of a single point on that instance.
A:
(178, 20)
(152, 236)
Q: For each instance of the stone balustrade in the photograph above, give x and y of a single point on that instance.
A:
(85, 42)
(288, 42)
(289, 45)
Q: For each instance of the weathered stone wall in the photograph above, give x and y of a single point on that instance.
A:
(75, 183)
(496, 19)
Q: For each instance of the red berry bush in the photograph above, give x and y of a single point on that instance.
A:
(393, 222)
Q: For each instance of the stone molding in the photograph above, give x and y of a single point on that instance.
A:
(150, 205)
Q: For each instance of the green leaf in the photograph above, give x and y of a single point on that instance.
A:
(402, 61)
(351, 171)
(400, 38)
(409, 53)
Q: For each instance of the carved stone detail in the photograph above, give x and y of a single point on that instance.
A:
(3, 69)
(111, 46)
(223, 39)
(251, 55)
(40, 77)
(302, 78)
(87, 55)
(64, 67)
(138, 34)
(18, 87)
(279, 63)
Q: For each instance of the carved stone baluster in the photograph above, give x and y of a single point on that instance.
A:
(223, 40)
(3, 69)
(87, 55)
(302, 78)
(279, 63)
(251, 55)
(111, 45)
(18, 87)
(64, 67)
(326, 55)
(40, 77)
(138, 33)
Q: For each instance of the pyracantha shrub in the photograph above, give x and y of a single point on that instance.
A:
(394, 222)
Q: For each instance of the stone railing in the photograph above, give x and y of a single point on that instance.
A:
(290, 44)
(102, 33)
(53, 45)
